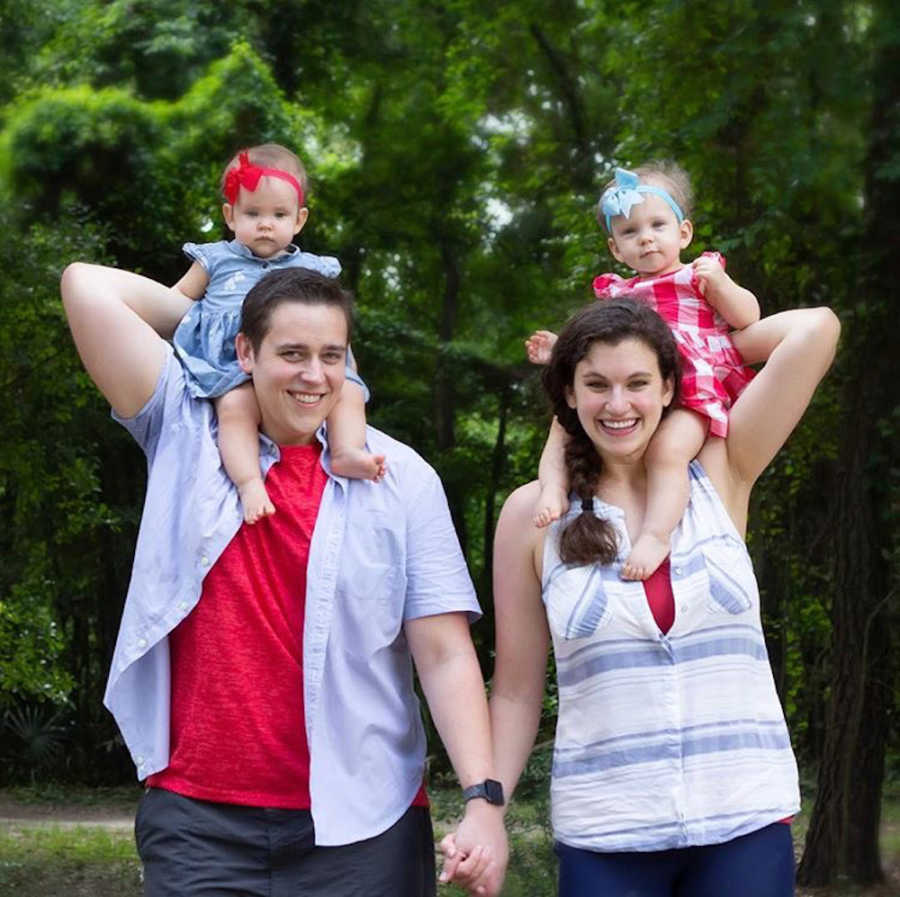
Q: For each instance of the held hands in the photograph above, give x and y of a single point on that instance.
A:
(476, 854)
(539, 346)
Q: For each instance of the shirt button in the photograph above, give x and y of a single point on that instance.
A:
(684, 608)
(139, 761)
(204, 560)
(182, 605)
(142, 643)
(677, 570)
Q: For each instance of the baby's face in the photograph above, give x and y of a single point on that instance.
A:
(651, 238)
(266, 220)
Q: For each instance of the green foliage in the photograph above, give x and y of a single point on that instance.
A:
(80, 860)
(35, 734)
(456, 154)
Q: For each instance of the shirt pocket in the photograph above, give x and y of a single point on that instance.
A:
(371, 599)
(732, 583)
(371, 586)
(579, 599)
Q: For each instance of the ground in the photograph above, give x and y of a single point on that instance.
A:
(115, 812)
(80, 844)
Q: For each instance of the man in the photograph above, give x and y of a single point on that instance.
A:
(262, 677)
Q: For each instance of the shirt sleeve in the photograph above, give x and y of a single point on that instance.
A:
(327, 265)
(437, 578)
(147, 425)
(605, 285)
(199, 252)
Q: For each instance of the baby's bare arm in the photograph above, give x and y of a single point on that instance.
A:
(736, 304)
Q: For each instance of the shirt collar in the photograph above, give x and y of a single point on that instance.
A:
(239, 248)
(269, 448)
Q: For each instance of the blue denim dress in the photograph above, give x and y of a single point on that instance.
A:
(204, 340)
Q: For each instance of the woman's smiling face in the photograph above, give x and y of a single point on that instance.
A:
(619, 395)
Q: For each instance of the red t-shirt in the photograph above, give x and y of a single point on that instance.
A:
(237, 727)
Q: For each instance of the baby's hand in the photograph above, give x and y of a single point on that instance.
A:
(709, 273)
(539, 346)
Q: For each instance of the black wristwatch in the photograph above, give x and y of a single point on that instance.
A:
(490, 789)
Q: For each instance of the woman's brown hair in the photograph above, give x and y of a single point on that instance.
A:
(588, 538)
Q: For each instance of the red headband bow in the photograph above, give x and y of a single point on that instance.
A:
(247, 175)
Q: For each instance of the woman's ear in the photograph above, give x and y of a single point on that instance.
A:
(668, 392)
(570, 397)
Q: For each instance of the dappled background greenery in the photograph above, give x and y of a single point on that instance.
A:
(456, 151)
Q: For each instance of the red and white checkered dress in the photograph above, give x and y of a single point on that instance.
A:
(713, 374)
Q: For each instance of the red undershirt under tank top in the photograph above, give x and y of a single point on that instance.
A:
(658, 589)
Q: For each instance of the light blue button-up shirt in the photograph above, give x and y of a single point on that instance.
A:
(380, 554)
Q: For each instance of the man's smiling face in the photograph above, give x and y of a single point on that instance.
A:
(298, 370)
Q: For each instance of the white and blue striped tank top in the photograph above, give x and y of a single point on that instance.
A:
(665, 740)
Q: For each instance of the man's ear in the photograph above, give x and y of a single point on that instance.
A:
(228, 215)
(244, 350)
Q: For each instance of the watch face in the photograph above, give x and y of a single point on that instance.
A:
(494, 791)
(490, 790)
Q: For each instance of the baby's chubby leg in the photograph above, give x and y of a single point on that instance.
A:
(239, 421)
(674, 445)
(553, 500)
(347, 438)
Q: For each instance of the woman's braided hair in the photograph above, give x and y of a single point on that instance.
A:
(588, 538)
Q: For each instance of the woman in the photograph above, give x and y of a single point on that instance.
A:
(673, 772)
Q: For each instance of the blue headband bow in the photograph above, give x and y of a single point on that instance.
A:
(626, 192)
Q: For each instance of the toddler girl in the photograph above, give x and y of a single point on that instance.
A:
(646, 214)
(264, 190)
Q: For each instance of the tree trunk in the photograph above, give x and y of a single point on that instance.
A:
(843, 834)
(445, 385)
(498, 462)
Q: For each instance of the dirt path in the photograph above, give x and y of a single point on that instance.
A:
(18, 814)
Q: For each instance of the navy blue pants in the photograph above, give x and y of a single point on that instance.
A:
(760, 864)
(192, 848)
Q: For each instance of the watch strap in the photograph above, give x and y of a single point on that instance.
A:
(490, 790)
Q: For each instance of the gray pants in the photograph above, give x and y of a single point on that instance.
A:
(193, 848)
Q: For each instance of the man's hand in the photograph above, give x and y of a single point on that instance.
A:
(476, 854)
(539, 346)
